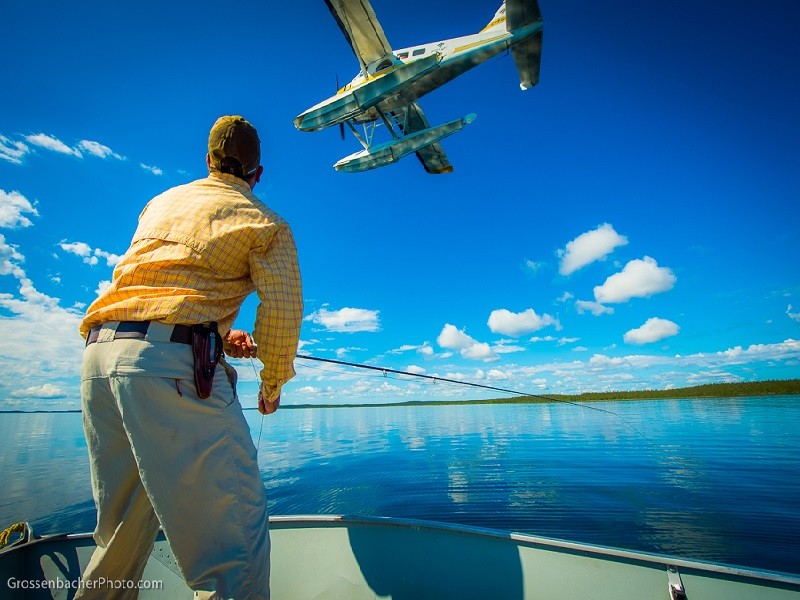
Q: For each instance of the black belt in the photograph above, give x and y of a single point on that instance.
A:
(182, 334)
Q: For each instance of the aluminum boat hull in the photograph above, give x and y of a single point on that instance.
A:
(334, 557)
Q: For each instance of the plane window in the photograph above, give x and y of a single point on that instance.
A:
(418, 51)
(403, 55)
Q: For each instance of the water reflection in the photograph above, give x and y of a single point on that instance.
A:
(708, 479)
(44, 466)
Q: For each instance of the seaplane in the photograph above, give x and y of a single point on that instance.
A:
(386, 89)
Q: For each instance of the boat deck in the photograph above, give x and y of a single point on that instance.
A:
(334, 557)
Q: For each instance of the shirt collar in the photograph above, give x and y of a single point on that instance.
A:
(240, 184)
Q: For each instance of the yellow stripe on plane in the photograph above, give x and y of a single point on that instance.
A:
(480, 43)
(493, 23)
(369, 78)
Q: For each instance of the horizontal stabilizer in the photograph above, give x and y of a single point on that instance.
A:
(528, 58)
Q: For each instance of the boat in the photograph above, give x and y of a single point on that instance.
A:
(326, 557)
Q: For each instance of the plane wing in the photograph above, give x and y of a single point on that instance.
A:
(362, 30)
(432, 157)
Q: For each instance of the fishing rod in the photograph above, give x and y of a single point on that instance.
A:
(435, 378)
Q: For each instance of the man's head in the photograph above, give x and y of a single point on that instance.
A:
(234, 147)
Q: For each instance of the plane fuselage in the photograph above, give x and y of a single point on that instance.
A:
(407, 75)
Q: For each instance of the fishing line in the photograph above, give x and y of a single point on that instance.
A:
(260, 429)
(385, 370)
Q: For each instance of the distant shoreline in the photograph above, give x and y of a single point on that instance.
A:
(776, 387)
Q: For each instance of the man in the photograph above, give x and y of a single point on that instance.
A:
(167, 439)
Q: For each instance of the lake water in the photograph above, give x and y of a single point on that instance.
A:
(710, 479)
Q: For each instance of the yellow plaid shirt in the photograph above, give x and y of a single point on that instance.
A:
(200, 249)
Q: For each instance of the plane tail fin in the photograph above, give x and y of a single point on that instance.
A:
(498, 20)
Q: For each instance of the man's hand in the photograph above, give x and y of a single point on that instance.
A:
(265, 406)
(239, 344)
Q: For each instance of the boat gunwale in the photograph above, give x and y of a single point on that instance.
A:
(544, 542)
(523, 539)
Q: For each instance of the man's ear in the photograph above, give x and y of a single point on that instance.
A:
(208, 161)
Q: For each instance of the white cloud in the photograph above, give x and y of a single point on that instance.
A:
(347, 320)
(547, 338)
(589, 247)
(47, 390)
(601, 361)
(52, 143)
(31, 315)
(89, 255)
(403, 348)
(497, 374)
(479, 351)
(111, 259)
(308, 389)
(706, 376)
(478, 375)
(595, 308)
(99, 150)
(653, 330)
(534, 266)
(565, 296)
(12, 151)
(793, 316)
(639, 279)
(506, 348)
(738, 355)
(153, 170)
(453, 338)
(81, 249)
(516, 324)
(13, 207)
(415, 369)
(300, 344)
(102, 287)
(424, 348)
(10, 259)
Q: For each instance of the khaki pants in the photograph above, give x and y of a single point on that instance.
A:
(158, 453)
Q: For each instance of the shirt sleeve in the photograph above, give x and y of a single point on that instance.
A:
(276, 275)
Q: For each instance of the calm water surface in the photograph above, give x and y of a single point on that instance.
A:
(711, 479)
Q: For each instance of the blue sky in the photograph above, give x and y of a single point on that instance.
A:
(631, 222)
